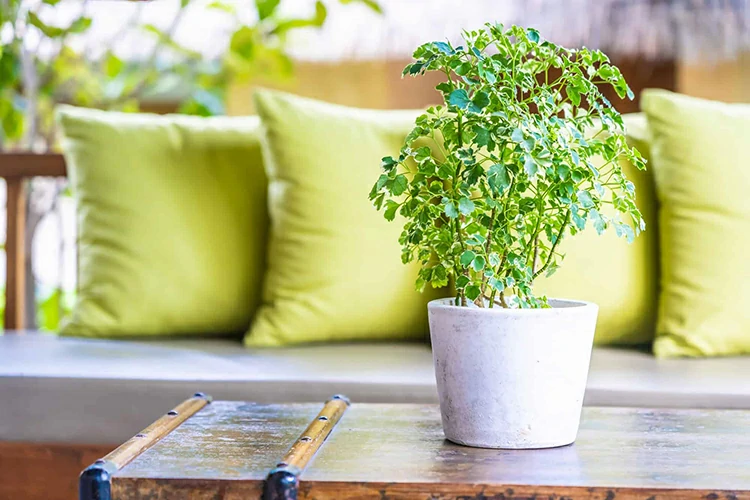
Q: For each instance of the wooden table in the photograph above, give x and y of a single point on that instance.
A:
(225, 450)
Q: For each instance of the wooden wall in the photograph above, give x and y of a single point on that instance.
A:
(31, 471)
(727, 81)
(378, 84)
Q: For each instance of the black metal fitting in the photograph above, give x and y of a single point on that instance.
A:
(95, 481)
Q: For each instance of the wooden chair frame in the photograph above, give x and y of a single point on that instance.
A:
(17, 169)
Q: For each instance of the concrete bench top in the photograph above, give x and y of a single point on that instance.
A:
(103, 391)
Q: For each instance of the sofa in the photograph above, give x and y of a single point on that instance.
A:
(65, 390)
(74, 392)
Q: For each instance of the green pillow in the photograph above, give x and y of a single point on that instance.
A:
(334, 264)
(621, 278)
(171, 220)
(701, 161)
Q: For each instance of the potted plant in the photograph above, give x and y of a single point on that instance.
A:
(524, 152)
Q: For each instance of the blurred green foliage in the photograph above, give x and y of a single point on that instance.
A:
(43, 64)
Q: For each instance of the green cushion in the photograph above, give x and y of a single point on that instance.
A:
(334, 265)
(701, 160)
(621, 278)
(171, 222)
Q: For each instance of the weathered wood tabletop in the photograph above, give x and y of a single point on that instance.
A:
(226, 450)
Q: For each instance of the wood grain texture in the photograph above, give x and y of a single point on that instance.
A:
(35, 471)
(15, 254)
(398, 452)
(16, 168)
(20, 165)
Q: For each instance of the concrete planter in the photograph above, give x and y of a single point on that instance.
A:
(511, 378)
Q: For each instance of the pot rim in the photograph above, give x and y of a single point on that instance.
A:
(563, 304)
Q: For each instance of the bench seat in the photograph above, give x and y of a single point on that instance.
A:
(67, 390)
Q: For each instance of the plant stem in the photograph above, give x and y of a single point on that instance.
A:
(501, 297)
(554, 245)
(487, 248)
(461, 293)
(459, 236)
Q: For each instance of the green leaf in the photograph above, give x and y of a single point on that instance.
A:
(50, 311)
(600, 224)
(443, 47)
(532, 35)
(413, 69)
(467, 258)
(465, 206)
(478, 263)
(459, 98)
(482, 136)
(445, 171)
(516, 135)
(497, 178)
(479, 102)
(606, 71)
(382, 180)
(388, 163)
(317, 20)
(530, 166)
(450, 210)
(113, 65)
(399, 185)
(463, 68)
(462, 281)
(80, 25)
(223, 6)
(573, 94)
(494, 259)
(575, 157)
(578, 220)
(623, 229)
(472, 292)
(443, 87)
(321, 13)
(242, 42)
(390, 210)
(497, 284)
(436, 187)
(49, 31)
(266, 8)
(422, 154)
(584, 198)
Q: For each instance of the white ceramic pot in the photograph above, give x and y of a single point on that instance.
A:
(512, 378)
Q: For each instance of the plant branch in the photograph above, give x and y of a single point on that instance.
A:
(554, 245)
